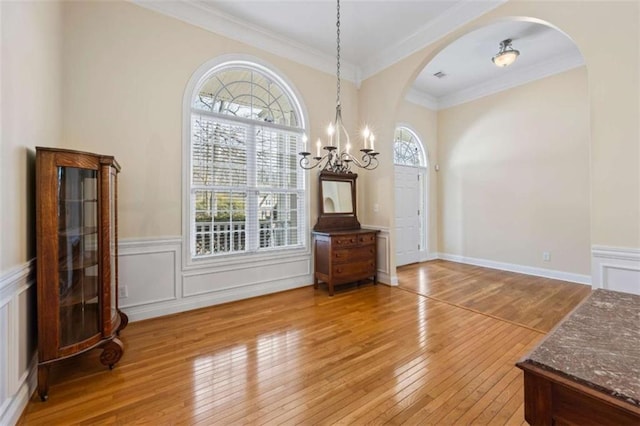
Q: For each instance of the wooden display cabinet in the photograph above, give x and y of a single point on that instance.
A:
(77, 258)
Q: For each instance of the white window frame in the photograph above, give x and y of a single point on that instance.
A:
(235, 259)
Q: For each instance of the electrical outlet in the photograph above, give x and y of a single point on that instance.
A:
(546, 256)
(123, 292)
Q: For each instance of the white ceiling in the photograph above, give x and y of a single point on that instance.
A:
(366, 26)
(376, 34)
(469, 70)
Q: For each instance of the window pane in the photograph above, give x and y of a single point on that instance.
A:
(219, 222)
(278, 217)
(219, 152)
(276, 159)
(406, 148)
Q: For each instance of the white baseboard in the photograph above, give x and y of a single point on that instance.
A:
(522, 269)
(429, 256)
(16, 386)
(616, 268)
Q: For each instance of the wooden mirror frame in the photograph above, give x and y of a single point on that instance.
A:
(340, 221)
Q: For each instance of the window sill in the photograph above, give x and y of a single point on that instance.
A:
(236, 259)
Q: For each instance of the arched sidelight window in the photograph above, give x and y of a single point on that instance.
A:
(407, 149)
(246, 189)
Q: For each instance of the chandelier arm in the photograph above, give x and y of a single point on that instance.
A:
(305, 161)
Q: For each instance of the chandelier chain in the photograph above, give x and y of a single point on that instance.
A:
(335, 160)
(338, 54)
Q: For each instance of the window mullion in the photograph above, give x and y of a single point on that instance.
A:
(251, 213)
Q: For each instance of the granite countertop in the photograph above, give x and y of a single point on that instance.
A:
(598, 344)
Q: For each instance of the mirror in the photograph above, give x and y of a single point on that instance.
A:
(337, 202)
(337, 197)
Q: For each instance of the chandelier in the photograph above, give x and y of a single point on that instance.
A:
(335, 159)
(507, 54)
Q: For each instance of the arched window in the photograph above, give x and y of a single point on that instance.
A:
(407, 149)
(246, 189)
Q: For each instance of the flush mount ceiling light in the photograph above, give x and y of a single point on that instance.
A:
(337, 160)
(507, 54)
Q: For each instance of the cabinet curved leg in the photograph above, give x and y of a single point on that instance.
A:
(43, 381)
(124, 321)
(112, 351)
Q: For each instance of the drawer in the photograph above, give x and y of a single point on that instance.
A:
(355, 253)
(367, 239)
(350, 240)
(357, 270)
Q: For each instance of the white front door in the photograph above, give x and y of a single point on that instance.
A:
(409, 203)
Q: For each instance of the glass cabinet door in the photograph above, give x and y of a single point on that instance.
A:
(113, 241)
(78, 254)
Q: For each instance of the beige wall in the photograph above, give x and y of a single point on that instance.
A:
(514, 175)
(30, 116)
(125, 72)
(613, 76)
(424, 121)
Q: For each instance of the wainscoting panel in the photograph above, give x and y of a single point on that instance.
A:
(228, 278)
(385, 275)
(153, 283)
(616, 268)
(18, 330)
(4, 357)
(149, 275)
(149, 272)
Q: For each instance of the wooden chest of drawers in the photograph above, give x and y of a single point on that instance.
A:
(344, 257)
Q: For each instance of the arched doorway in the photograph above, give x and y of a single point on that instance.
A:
(513, 150)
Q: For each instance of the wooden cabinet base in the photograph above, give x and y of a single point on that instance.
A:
(343, 257)
(112, 351)
(550, 399)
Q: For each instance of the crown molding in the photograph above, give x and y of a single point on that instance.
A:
(547, 68)
(462, 13)
(207, 17)
(421, 98)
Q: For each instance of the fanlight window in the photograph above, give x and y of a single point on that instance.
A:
(247, 193)
(247, 93)
(407, 149)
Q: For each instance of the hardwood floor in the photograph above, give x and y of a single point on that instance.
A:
(534, 302)
(368, 355)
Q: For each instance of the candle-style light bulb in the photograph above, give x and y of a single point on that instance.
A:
(330, 131)
(318, 145)
(366, 134)
(348, 148)
(372, 138)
